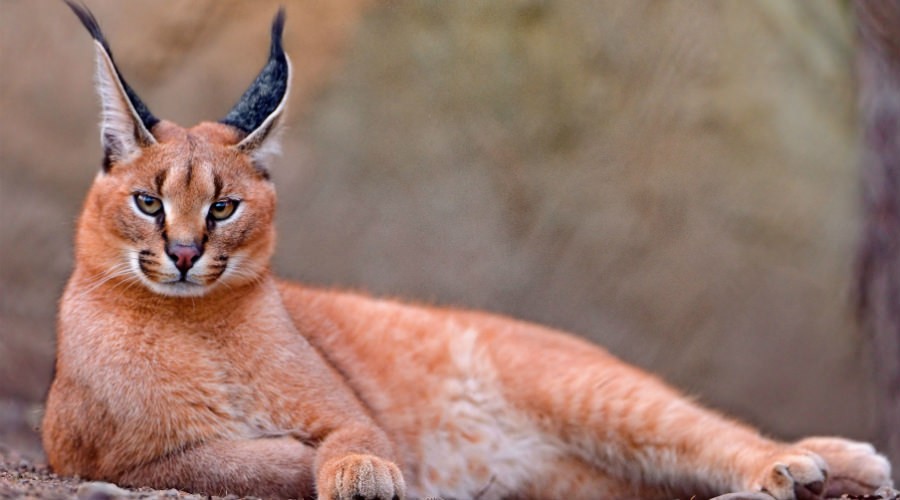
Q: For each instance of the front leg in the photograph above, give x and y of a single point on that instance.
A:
(350, 466)
(279, 467)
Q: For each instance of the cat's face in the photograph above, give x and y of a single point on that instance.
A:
(190, 214)
(182, 212)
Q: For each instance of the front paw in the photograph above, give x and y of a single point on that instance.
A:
(358, 477)
(792, 474)
(855, 468)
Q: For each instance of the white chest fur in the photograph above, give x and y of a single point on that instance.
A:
(481, 447)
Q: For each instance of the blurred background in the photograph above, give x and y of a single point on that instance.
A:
(678, 181)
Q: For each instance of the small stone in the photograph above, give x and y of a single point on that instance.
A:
(99, 490)
(745, 495)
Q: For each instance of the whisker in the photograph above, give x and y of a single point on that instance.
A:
(116, 271)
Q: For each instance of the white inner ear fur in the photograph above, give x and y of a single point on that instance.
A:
(120, 126)
(264, 143)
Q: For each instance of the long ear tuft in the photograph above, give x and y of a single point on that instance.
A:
(126, 122)
(258, 113)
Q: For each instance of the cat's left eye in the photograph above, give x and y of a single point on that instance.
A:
(223, 209)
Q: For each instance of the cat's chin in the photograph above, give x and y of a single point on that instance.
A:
(177, 288)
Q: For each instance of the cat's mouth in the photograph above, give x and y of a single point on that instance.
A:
(176, 286)
(193, 283)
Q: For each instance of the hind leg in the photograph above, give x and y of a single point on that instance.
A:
(633, 427)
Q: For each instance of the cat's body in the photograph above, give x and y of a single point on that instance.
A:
(182, 362)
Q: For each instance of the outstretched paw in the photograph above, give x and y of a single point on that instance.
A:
(855, 468)
(792, 474)
(360, 477)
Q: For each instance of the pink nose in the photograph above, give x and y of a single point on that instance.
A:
(184, 256)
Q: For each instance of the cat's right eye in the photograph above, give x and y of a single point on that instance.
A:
(150, 205)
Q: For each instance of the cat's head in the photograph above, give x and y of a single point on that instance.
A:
(182, 211)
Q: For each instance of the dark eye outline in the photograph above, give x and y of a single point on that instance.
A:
(141, 198)
(228, 205)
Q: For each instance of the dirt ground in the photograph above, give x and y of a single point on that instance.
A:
(23, 477)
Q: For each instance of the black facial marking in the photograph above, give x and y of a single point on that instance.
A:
(269, 88)
(159, 180)
(190, 161)
(144, 266)
(107, 162)
(146, 253)
(90, 22)
(217, 182)
(214, 274)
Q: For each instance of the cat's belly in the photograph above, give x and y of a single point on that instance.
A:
(474, 443)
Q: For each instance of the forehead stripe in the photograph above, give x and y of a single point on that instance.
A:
(190, 160)
(217, 182)
(159, 180)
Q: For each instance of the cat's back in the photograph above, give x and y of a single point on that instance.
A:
(348, 323)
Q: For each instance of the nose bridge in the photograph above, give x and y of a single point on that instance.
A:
(188, 186)
(185, 225)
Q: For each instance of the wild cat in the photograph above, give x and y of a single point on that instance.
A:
(182, 362)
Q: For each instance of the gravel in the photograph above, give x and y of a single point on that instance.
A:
(22, 478)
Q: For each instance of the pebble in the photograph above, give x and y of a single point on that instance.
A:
(98, 490)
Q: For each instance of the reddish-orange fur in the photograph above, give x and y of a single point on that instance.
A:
(246, 384)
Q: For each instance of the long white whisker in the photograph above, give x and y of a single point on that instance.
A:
(116, 271)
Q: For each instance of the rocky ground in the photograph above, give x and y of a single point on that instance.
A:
(24, 473)
(22, 477)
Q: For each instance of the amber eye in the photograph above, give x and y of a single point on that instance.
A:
(150, 205)
(223, 209)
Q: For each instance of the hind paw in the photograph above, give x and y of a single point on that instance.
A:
(855, 468)
(820, 467)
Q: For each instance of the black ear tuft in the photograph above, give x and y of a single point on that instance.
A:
(90, 22)
(268, 91)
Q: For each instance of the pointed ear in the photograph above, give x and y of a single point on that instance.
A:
(258, 114)
(125, 121)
